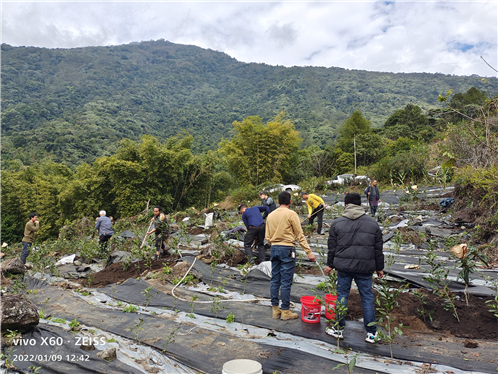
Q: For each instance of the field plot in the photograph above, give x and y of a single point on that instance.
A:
(202, 304)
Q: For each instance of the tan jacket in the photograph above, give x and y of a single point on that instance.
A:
(29, 231)
(314, 202)
(283, 227)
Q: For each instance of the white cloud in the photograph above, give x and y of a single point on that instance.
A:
(446, 37)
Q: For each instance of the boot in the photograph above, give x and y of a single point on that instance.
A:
(287, 314)
(276, 312)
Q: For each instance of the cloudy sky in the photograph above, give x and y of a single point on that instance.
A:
(399, 36)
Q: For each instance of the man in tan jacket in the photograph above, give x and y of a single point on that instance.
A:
(31, 227)
(282, 229)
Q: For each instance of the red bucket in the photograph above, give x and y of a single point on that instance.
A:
(330, 301)
(311, 308)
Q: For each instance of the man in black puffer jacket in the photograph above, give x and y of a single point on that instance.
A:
(355, 251)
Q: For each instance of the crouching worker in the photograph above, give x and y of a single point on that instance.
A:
(161, 231)
(255, 230)
(355, 251)
(104, 225)
(282, 229)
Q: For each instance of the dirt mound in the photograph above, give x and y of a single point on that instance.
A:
(476, 321)
(195, 230)
(466, 215)
(116, 272)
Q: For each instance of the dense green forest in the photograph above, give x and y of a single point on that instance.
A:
(74, 105)
(118, 128)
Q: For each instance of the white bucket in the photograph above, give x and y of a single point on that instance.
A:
(242, 366)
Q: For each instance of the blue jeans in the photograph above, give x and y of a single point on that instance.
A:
(373, 210)
(282, 273)
(364, 283)
(25, 251)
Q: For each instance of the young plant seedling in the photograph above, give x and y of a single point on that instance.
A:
(387, 300)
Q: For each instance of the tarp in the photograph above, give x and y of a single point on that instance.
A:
(57, 351)
(202, 349)
(258, 315)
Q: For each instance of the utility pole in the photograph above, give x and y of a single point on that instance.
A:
(354, 142)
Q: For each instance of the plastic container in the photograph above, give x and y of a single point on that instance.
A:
(311, 308)
(242, 366)
(330, 301)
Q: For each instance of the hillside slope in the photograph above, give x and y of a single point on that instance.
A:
(75, 104)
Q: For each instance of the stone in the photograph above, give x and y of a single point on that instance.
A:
(396, 219)
(12, 266)
(108, 354)
(237, 257)
(77, 263)
(87, 347)
(18, 313)
(469, 343)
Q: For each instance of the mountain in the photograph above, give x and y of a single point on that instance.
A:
(74, 105)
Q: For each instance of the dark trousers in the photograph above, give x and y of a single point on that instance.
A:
(318, 213)
(103, 242)
(25, 251)
(364, 283)
(373, 210)
(259, 234)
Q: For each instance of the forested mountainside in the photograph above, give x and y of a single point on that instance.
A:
(76, 104)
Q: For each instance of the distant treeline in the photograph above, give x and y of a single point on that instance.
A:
(259, 154)
(75, 105)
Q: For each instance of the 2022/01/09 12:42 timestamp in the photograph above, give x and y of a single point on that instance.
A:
(46, 358)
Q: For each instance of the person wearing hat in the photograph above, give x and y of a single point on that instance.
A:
(355, 251)
(267, 201)
(32, 226)
(316, 206)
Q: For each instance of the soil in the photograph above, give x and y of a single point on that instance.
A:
(420, 206)
(476, 322)
(307, 269)
(116, 273)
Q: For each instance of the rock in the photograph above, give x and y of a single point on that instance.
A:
(222, 226)
(127, 234)
(108, 354)
(87, 347)
(237, 257)
(396, 219)
(12, 266)
(435, 325)
(469, 343)
(18, 313)
(174, 227)
(83, 269)
(77, 263)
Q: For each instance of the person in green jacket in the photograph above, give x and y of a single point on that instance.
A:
(31, 227)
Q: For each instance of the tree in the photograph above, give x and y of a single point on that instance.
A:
(409, 122)
(261, 153)
(355, 125)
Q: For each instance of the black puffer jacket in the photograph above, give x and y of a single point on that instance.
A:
(355, 242)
